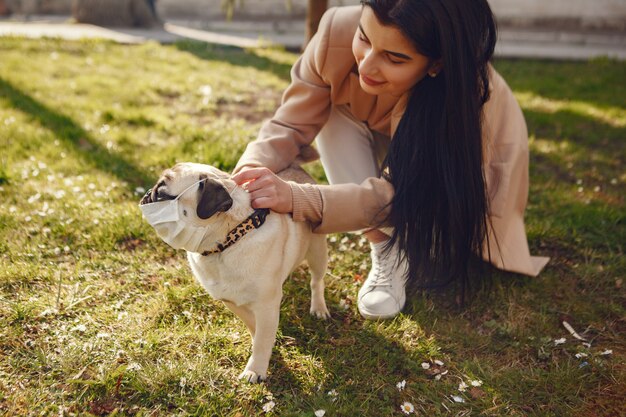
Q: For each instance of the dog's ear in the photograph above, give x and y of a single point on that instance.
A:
(213, 198)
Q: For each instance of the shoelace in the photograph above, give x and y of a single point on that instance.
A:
(383, 273)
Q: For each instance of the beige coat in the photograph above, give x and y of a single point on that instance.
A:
(326, 75)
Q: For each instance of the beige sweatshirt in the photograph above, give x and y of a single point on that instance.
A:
(326, 75)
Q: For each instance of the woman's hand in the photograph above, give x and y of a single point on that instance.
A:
(266, 189)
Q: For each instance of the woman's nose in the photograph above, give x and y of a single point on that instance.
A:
(368, 63)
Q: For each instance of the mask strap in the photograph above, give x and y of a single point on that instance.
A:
(190, 187)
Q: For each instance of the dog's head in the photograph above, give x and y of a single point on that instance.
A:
(207, 191)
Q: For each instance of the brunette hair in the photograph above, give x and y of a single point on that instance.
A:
(435, 160)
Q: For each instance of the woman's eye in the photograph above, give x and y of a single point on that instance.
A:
(363, 38)
(393, 60)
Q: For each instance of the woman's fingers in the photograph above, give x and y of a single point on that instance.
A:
(249, 174)
(266, 189)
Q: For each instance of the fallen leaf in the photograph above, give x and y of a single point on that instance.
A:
(476, 392)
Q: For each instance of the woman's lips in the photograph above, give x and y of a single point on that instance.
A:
(371, 82)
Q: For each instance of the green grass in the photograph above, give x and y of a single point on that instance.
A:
(99, 317)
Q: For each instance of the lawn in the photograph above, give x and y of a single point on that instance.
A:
(100, 317)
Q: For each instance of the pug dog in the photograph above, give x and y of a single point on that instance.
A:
(240, 255)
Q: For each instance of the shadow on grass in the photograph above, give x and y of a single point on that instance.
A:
(361, 364)
(235, 56)
(585, 131)
(74, 137)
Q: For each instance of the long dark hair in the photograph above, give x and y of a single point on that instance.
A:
(435, 159)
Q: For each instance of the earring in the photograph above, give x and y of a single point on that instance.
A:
(432, 74)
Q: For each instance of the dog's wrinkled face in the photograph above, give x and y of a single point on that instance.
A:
(209, 192)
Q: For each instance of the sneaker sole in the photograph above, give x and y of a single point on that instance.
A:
(371, 316)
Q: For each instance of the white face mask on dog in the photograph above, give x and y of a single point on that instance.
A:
(165, 217)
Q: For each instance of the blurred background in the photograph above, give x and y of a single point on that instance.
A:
(562, 29)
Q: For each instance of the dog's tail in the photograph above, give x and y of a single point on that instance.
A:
(307, 154)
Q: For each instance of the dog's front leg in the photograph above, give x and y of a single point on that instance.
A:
(266, 318)
(245, 314)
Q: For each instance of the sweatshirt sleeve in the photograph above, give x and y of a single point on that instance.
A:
(343, 207)
(304, 109)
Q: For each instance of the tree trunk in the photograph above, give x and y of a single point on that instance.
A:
(4, 10)
(315, 10)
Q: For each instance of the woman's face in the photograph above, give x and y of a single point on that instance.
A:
(388, 62)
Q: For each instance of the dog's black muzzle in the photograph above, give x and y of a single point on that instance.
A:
(147, 198)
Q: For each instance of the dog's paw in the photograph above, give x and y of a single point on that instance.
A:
(252, 377)
(321, 312)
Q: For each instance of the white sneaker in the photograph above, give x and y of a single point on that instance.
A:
(382, 295)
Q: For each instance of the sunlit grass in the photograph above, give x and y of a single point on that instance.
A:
(611, 115)
(98, 316)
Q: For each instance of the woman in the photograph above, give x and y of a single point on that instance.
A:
(408, 83)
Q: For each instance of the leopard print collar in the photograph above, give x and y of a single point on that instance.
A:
(253, 221)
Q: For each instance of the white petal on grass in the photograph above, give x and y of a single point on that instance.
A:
(476, 383)
(457, 399)
(407, 408)
(34, 198)
(462, 386)
(205, 90)
(438, 376)
(581, 355)
(320, 413)
(607, 352)
(269, 406)
(80, 328)
(333, 394)
(571, 331)
(48, 311)
(134, 367)
(400, 385)
(559, 341)
(425, 365)
(438, 362)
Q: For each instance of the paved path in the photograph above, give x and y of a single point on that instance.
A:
(516, 43)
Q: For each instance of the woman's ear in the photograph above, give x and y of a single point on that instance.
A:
(435, 67)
